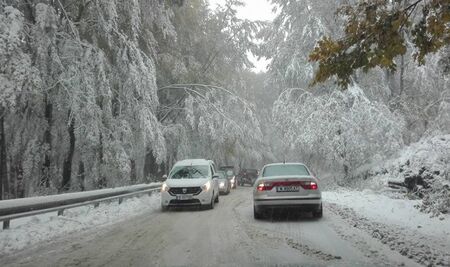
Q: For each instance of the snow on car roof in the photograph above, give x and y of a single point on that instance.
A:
(187, 162)
(282, 163)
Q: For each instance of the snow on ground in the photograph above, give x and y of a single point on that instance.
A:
(396, 223)
(28, 231)
(381, 208)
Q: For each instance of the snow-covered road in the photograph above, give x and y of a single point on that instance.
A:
(229, 236)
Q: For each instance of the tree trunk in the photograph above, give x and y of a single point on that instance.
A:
(67, 167)
(3, 163)
(19, 183)
(133, 171)
(402, 61)
(390, 78)
(45, 175)
(101, 177)
(16, 187)
(81, 175)
(402, 74)
(345, 170)
(152, 169)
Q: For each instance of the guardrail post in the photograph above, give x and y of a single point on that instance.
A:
(61, 212)
(120, 200)
(5, 224)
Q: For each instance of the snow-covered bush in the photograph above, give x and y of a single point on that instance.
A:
(423, 168)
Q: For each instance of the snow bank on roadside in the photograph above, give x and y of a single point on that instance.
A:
(28, 231)
(424, 170)
(395, 223)
(386, 210)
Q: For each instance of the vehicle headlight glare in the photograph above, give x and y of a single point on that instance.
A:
(164, 187)
(206, 186)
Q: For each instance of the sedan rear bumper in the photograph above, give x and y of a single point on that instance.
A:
(306, 204)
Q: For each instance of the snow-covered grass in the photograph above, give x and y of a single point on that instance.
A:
(383, 209)
(28, 231)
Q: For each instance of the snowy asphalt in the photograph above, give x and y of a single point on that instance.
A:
(225, 236)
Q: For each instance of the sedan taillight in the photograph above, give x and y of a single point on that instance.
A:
(264, 186)
(309, 185)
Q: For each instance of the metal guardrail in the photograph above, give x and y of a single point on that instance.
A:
(19, 211)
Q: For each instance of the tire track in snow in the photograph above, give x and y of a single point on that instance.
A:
(276, 237)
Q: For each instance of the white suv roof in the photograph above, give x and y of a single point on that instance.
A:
(188, 162)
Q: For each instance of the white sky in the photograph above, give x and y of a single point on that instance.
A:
(253, 10)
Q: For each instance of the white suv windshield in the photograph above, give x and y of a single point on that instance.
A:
(189, 172)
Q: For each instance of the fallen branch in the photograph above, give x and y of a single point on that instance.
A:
(396, 185)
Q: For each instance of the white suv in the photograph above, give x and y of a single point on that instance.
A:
(191, 182)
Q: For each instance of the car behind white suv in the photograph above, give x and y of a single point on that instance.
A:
(191, 182)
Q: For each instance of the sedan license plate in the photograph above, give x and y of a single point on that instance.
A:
(184, 197)
(288, 188)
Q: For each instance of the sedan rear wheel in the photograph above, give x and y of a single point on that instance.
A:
(257, 214)
(318, 213)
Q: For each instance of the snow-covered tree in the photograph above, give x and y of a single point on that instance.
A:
(80, 106)
(342, 129)
(210, 47)
(289, 39)
(414, 96)
(20, 94)
(79, 92)
(213, 122)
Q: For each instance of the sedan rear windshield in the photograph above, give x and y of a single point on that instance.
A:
(285, 169)
(189, 172)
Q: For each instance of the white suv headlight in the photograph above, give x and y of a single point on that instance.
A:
(165, 187)
(206, 186)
